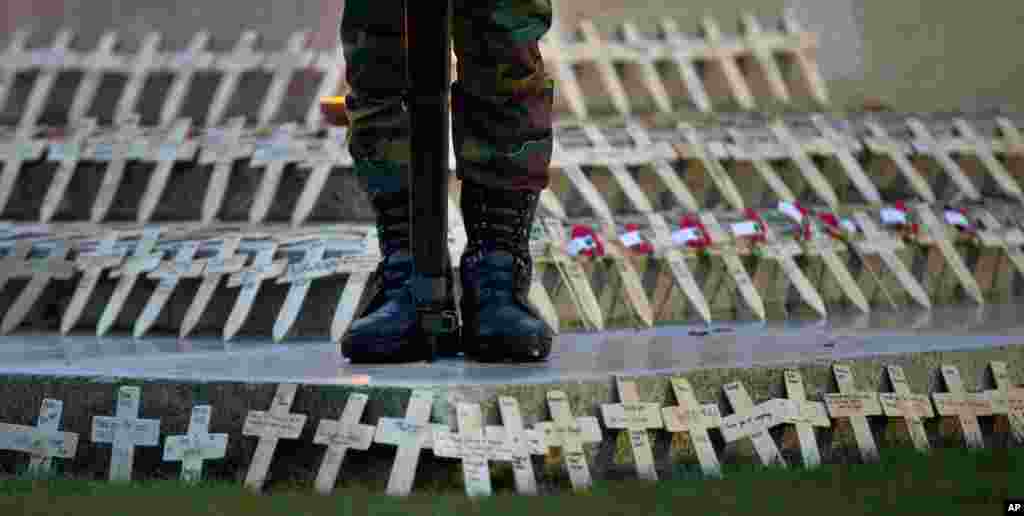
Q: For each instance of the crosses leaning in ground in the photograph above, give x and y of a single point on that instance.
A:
(522, 442)
(50, 61)
(42, 442)
(763, 49)
(695, 419)
(881, 244)
(196, 446)
(165, 149)
(938, 232)
(16, 251)
(636, 418)
(273, 154)
(681, 52)
(66, 153)
(1009, 238)
(282, 66)
(249, 279)
(231, 67)
(183, 65)
(221, 147)
(570, 433)
(727, 250)
(183, 265)
(856, 406)
(879, 142)
(629, 280)
(475, 446)
(680, 270)
(723, 54)
(754, 422)
(15, 59)
(926, 144)
(783, 252)
(573, 276)
(1007, 399)
(616, 159)
(221, 264)
(144, 258)
(965, 406)
(709, 160)
(842, 148)
(271, 426)
(137, 70)
(902, 403)
(95, 65)
(410, 434)
(982, 149)
(105, 255)
(331, 152)
(804, 164)
(360, 268)
(21, 147)
(825, 246)
(340, 435)
(300, 275)
(805, 416)
(53, 264)
(661, 156)
(116, 148)
(745, 147)
(124, 431)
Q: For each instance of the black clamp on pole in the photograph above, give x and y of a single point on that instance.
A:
(427, 99)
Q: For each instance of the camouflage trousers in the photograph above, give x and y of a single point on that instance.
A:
(502, 98)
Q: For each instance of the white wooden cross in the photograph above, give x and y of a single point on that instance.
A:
(39, 271)
(880, 142)
(804, 164)
(783, 253)
(806, 416)
(912, 408)
(273, 154)
(982, 148)
(881, 244)
(221, 264)
(745, 148)
(677, 265)
(196, 446)
(125, 144)
(66, 153)
(938, 233)
(538, 296)
(661, 155)
(124, 431)
(826, 247)
(299, 276)
(965, 406)
(360, 268)
(137, 69)
(263, 268)
(92, 264)
(591, 40)
(50, 62)
(719, 176)
(636, 418)
(570, 434)
(221, 147)
(24, 146)
(927, 144)
(843, 148)
(695, 419)
(855, 405)
(802, 52)
(522, 442)
(165, 149)
(683, 52)
(43, 442)
(726, 249)
(184, 65)
(340, 435)
(724, 54)
(754, 422)
(332, 152)
(95, 65)
(241, 59)
(763, 49)
(1008, 238)
(475, 445)
(1007, 399)
(144, 258)
(271, 426)
(410, 434)
(615, 160)
(282, 65)
(16, 252)
(591, 195)
(630, 282)
(183, 265)
(14, 59)
(649, 72)
(573, 276)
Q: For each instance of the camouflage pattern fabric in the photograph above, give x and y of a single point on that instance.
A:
(502, 98)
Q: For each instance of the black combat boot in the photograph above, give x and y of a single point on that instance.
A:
(496, 269)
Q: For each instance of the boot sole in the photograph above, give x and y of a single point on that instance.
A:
(508, 349)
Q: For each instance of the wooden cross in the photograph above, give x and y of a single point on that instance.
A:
(965, 406)
(661, 162)
(522, 444)
(629, 280)
(573, 277)
(183, 265)
(1008, 238)
(13, 261)
(806, 45)
(904, 404)
(727, 250)
(271, 426)
(241, 59)
(144, 258)
(745, 148)
(15, 59)
(615, 159)
(39, 271)
(165, 150)
(221, 147)
(724, 55)
(223, 263)
(855, 405)
(300, 276)
(282, 65)
(825, 246)
(126, 144)
(474, 446)
(538, 296)
(783, 252)
(880, 142)
(184, 65)
(712, 166)
(1011, 140)
(570, 434)
(589, 37)
(13, 152)
(92, 264)
(595, 201)
(881, 244)
(66, 153)
(803, 162)
(1007, 399)
(927, 144)
(50, 62)
(695, 419)
(563, 60)
(137, 69)
(410, 434)
(273, 154)
(764, 51)
(636, 418)
(42, 442)
(683, 54)
(333, 152)
(649, 73)
(124, 431)
(196, 446)
(360, 268)
(983, 150)
(842, 148)
(263, 268)
(339, 436)
(939, 235)
(753, 422)
(677, 265)
(100, 62)
(807, 415)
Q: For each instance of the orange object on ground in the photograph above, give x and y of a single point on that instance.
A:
(333, 110)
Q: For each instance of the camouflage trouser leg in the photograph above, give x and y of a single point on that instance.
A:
(501, 102)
